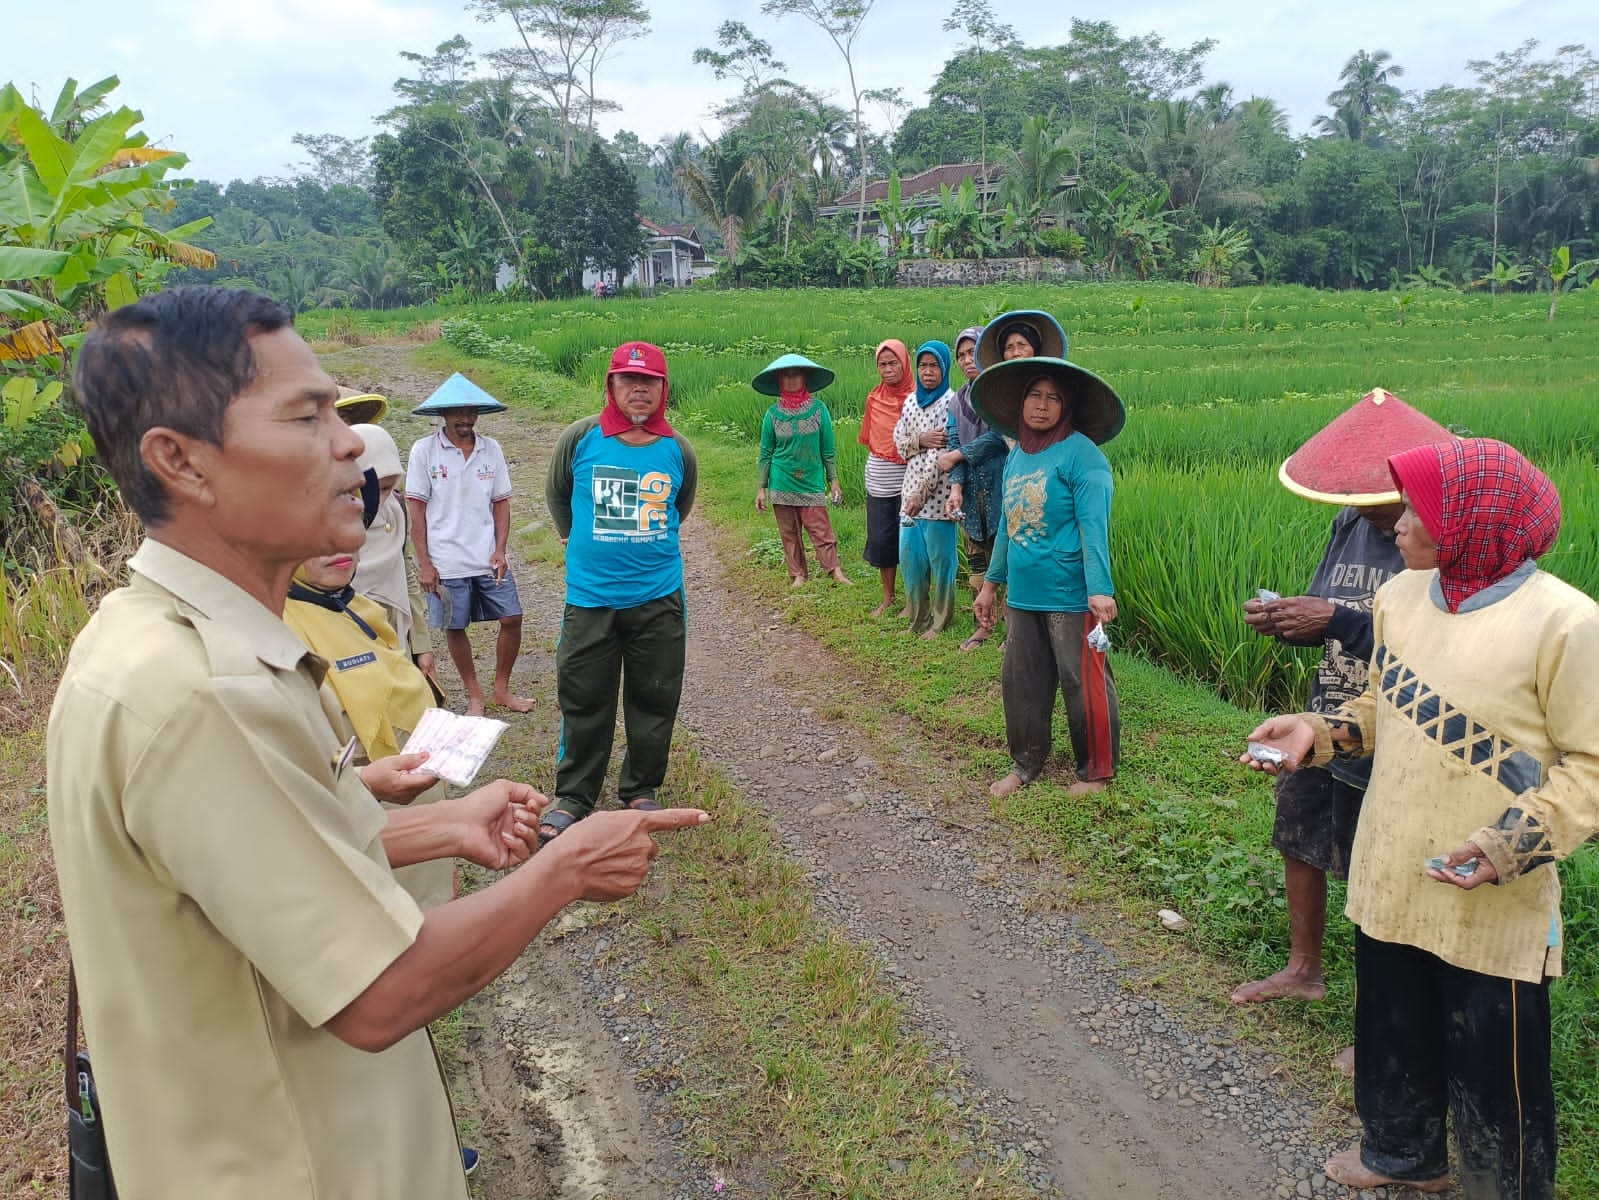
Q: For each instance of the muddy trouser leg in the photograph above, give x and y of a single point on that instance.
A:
(588, 669)
(654, 642)
(1501, 1084)
(1086, 684)
(1027, 687)
(788, 528)
(943, 554)
(823, 540)
(916, 569)
(1432, 1038)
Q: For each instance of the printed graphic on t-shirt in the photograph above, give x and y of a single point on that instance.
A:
(630, 505)
(1024, 508)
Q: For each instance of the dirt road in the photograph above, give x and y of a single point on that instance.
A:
(1094, 1087)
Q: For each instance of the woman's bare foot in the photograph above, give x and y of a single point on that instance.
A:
(1004, 787)
(1087, 787)
(883, 607)
(840, 577)
(519, 704)
(931, 634)
(904, 613)
(1344, 1062)
(1346, 1168)
(1287, 984)
(797, 581)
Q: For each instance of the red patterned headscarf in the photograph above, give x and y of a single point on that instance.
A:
(1487, 507)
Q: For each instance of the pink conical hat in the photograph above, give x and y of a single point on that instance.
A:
(1347, 462)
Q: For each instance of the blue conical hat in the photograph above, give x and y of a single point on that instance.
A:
(458, 392)
(817, 376)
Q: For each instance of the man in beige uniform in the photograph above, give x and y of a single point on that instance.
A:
(254, 984)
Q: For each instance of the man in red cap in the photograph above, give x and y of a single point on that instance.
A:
(1344, 464)
(619, 485)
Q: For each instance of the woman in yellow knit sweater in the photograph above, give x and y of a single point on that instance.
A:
(1483, 717)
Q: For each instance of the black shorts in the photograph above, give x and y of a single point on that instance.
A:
(1316, 816)
(882, 531)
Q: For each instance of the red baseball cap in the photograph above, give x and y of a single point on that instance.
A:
(639, 358)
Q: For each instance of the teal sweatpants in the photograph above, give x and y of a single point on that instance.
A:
(642, 649)
(928, 554)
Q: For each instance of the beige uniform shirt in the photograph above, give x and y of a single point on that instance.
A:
(226, 893)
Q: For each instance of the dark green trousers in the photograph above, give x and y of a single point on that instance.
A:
(641, 649)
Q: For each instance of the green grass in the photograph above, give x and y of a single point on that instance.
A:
(1221, 387)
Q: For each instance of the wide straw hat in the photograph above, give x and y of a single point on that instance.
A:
(458, 392)
(991, 345)
(1097, 411)
(1347, 462)
(816, 376)
(360, 408)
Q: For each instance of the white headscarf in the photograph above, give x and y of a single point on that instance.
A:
(380, 574)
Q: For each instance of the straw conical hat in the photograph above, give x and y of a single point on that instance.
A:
(1097, 411)
(1347, 462)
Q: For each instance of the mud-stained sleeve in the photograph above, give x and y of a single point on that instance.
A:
(1347, 732)
(1548, 822)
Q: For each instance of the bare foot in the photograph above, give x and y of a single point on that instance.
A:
(474, 706)
(1346, 1168)
(931, 634)
(1344, 1062)
(840, 577)
(797, 581)
(519, 704)
(882, 608)
(1087, 787)
(1285, 985)
(904, 613)
(1004, 787)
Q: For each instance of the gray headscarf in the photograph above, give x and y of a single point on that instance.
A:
(968, 425)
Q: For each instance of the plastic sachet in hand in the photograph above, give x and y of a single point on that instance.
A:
(1263, 753)
(456, 746)
(1098, 639)
(1266, 595)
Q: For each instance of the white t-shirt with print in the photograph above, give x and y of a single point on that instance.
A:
(460, 492)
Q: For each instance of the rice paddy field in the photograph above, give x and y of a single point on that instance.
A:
(1220, 386)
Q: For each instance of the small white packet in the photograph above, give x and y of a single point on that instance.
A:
(456, 746)
(1266, 596)
(1098, 639)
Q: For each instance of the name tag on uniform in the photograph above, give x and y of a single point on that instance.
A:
(354, 661)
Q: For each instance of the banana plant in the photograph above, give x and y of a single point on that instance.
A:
(1565, 275)
(86, 199)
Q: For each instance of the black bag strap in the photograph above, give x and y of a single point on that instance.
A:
(70, 1059)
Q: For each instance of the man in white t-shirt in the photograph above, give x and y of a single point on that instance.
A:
(458, 490)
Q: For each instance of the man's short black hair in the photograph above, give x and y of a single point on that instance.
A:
(175, 359)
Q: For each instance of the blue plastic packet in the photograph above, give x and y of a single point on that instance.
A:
(1465, 869)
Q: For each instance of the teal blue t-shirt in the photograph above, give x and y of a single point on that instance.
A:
(1053, 546)
(620, 507)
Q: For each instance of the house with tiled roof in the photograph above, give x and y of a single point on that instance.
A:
(673, 256)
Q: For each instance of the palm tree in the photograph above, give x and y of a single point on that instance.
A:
(673, 153)
(1037, 179)
(371, 273)
(727, 187)
(1366, 95)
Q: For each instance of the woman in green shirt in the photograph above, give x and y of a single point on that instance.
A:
(798, 470)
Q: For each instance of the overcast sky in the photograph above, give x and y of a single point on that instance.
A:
(229, 81)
